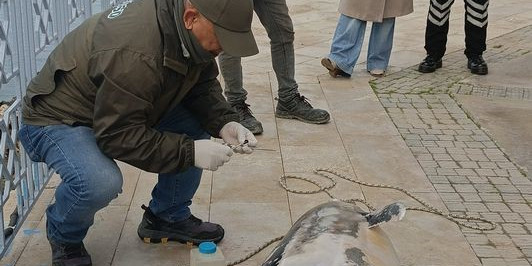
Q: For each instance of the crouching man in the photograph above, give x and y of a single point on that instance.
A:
(137, 84)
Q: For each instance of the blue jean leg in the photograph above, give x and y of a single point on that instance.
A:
(380, 44)
(347, 42)
(90, 179)
(172, 195)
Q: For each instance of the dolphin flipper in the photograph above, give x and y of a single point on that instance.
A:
(392, 212)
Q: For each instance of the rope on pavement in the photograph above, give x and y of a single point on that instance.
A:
(463, 220)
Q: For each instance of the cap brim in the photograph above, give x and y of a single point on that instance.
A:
(236, 43)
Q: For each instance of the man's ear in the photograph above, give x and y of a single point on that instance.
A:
(189, 17)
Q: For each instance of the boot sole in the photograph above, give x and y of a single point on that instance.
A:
(479, 71)
(429, 69)
(289, 116)
(153, 236)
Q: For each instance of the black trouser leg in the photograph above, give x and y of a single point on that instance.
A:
(437, 27)
(476, 25)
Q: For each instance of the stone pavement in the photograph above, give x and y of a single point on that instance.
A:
(433, 134)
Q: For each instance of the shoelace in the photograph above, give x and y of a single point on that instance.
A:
(304, 100)
(300, 98)
(244, 108)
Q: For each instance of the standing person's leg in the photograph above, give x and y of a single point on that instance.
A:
(380, 46)
(436, 34)
(346, 46)
(231, 70)
(168, 215)
(274, 16)
(476, 26)
(90, 180)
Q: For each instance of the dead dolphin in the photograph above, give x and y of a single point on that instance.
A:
(338, 233)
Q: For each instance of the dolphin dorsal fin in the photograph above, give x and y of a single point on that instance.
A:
(392, 212)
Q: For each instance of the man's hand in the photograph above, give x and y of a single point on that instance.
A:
(210, 155)
(235, 134)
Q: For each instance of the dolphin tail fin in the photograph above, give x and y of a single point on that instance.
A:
(392, 212)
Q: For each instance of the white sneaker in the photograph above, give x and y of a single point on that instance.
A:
(377, 72)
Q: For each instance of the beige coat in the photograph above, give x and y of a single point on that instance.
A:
(375, 10)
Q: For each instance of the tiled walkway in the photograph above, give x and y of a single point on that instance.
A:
(405, 130)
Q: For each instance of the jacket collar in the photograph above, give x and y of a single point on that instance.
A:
(172, 52)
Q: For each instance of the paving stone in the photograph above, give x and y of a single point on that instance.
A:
(494, 217)
(460, 188)
(498, 207)
(507, 188)
(485, 172)
(475, 207)
(497, 180)
(522, 240)
(475, 179)
(514, 229)
(513, 198)
(470, 197)
(485, 251)
(442, 157)
(512, 217)
(458, 179)
(468, 164)
(447, 164)
(493, 261)
(520, 207)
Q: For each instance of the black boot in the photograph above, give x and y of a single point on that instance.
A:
(70, 254)
(477, 65)
(299, 108)
(429, 64)
(191, 230)
(246, 118)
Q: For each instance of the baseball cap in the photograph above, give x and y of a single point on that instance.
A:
(232, 24)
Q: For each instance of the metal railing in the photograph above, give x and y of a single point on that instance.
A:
(29, 30)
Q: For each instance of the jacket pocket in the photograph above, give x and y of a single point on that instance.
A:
(45, 81)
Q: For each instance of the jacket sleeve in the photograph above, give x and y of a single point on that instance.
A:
(206, 101)
(128, 84)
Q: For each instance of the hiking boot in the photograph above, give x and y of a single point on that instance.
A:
(299, 108)
(70, 254)
(477, 65)
(191, 230)
(247, 119)
(334, 70)
(429, 64)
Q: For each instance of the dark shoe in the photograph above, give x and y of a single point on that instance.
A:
(429, 64)
(247, 119)
(192, 230)
(299, 108)
(334, 71)
(477, 65)
(70, 255)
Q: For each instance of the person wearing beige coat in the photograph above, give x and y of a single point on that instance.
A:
(349, 35)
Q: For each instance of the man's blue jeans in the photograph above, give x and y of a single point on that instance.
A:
(90, 179)
(348, 39)
(273, 14)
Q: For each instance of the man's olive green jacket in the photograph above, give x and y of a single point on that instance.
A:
(119, 72)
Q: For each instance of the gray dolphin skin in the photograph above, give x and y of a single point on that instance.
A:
(338, 233)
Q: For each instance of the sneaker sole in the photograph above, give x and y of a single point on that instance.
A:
(288, 116)
(153, 236)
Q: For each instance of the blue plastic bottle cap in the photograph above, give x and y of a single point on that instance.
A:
(207, 247)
